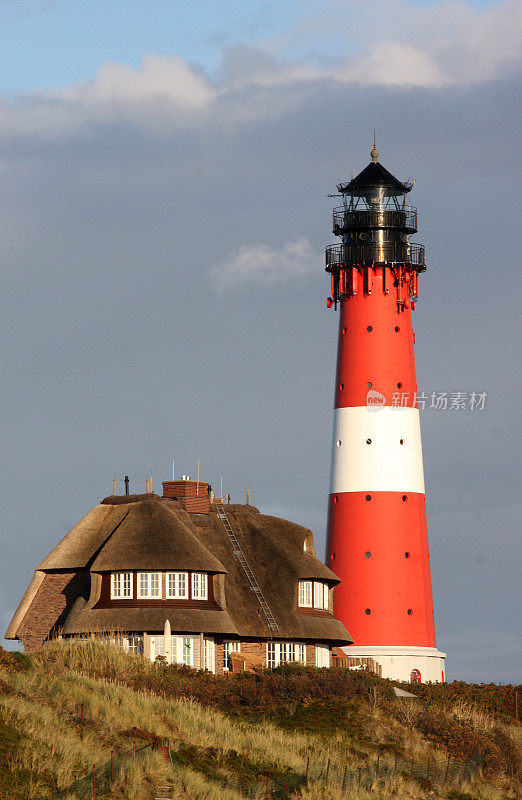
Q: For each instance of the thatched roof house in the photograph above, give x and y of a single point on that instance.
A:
(190, 585)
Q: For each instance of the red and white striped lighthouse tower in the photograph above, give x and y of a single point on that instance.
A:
(377, 538)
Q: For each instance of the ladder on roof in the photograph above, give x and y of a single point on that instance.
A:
(236, 549)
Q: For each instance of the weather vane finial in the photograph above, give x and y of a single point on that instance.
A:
(375, 153)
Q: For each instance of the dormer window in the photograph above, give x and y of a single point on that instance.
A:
(321, 595)
(162, 586)
(199, 586)
(177, 585)
(121, 586)
(149, 585)
(305, 594)
(313, 594)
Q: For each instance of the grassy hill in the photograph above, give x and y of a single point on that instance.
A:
(299, 732)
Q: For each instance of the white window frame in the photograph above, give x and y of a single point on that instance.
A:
(121, 586)
(230, 646)
(199, 586)
(322, 656)
(285, 652)
(187, 650)
(321, 595)
(157, 647)
(179, 590)
(135, 644)
(182, 650)
(305, 594)
(145, 590)
(326, 597)
(209, 655)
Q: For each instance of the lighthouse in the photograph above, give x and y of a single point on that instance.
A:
(377, 540)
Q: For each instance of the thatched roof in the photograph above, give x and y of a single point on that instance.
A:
(146, 532)
(274, 549)
(187, 620)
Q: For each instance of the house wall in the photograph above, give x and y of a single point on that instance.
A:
(50, 606)
(259, 649)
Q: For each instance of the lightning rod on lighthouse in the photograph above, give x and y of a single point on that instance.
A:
(377, 540)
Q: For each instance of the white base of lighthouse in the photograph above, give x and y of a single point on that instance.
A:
(398, 663)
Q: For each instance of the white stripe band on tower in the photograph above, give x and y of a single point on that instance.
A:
(377, 450)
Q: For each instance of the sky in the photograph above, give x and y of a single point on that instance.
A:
(165, 170)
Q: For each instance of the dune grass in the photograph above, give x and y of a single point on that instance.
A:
(69, 705)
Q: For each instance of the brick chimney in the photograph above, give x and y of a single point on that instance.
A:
(193, 495)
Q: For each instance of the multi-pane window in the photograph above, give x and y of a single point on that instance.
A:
(182, 650)
(322, 655)
(149, 585)
(313, 594)
(305, 594)
(187, 651)
(157, 647)
(177, 585)
(209, 655)
(280, 652)
(229, 647)
(121, 586)
(135, 644)
(321, 595)
(199, 586)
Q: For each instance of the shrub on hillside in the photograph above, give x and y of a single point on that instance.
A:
(14, 661)
(264, 692)
(489, 697)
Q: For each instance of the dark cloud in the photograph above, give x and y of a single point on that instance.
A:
(119, 355)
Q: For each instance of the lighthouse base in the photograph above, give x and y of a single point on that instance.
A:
(410, 664)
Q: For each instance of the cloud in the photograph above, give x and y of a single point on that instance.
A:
(395, 64)
(395, 42)
(389, 43)
(262, 264)
(168, 79)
